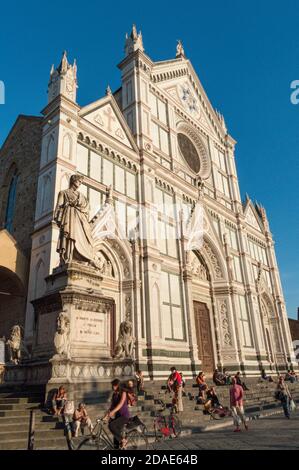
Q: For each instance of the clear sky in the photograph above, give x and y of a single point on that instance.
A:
(246, 54)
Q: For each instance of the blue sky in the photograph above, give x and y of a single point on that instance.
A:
(246, 54)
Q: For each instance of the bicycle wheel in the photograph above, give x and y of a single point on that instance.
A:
(175, 424)
(137, 440)
(214, 415)
(93, 443)
(160, 428)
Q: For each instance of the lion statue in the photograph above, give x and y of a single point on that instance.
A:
(62, 336)
(125, 344)
(16, 346)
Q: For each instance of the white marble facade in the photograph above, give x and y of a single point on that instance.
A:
(154, 140)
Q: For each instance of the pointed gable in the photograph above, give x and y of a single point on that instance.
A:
(252, 217)
(106, 115)
(182, 92)
(178, 78)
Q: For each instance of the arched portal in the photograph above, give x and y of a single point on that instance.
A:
(202, 305)
(12, 301)
(13, 282)
(116, 269)
(213, 315)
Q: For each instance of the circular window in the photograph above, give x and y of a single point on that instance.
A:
(189, 152)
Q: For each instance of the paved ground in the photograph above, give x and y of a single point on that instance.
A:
(271, 433)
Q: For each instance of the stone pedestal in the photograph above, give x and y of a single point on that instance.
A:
(88, 379)
(75, 335)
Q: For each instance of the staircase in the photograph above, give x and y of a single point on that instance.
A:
(15, 407)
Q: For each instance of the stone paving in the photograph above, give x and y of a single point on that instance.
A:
(271, 433)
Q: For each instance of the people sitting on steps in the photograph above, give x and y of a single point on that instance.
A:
(140, 381)
(81, 419)
(291, 376)
(59, 400)
(202, 387)
(212, 404)
(212, 399)
(239, 381)
(174, 384)
(227, 376)
(265, 376)
(131, 395)
(221, 378)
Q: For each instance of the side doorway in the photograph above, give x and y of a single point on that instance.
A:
(204, 337)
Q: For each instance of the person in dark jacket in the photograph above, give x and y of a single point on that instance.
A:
(239, 381)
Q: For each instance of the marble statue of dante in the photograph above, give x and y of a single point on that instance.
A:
(72, 217)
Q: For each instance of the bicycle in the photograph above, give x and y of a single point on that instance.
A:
(134, 431)
(216, 413)
(166, 426)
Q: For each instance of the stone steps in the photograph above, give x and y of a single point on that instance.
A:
(21, 444)
(49, 434)
(24, 426)
(18, 406)
(21, 400)
(23, 434)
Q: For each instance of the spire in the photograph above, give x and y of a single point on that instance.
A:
(63, 66)
(75, 68)
(133, 41)
(108, 91)
(134, 35)
(179, 49)
(221, 120)
(63, 80)
(263, 215)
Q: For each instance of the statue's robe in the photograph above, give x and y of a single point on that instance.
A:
(71, 215)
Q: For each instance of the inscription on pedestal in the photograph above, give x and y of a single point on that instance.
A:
(91, 327)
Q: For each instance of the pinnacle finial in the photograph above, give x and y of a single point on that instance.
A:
(180, 49)
(63, 66)
(134, 34)
(133, 41)
(75, 65)
(108, 91)
(65, 78)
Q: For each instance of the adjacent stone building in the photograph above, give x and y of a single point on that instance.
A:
(294, 327)
(164, 150)
(19, 168)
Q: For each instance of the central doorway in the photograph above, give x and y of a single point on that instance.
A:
(204, 336)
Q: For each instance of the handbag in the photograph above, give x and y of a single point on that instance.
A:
(292, 405)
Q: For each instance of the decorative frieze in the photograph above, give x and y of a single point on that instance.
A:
(225, 324)
(214, 260)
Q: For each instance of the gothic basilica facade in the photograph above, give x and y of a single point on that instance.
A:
(152, 151)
